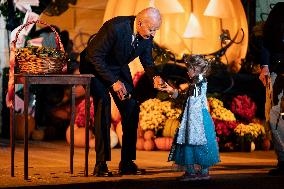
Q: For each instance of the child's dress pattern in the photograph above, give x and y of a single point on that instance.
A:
(195, 139)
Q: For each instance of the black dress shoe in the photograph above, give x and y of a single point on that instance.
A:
(101, 170)
(130, 168)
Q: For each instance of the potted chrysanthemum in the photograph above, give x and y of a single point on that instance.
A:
(248, 134)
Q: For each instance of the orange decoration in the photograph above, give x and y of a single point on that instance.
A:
(163, 143)
(149, 145)
(170, 127)
(149, 134)
(140, 143)
(119, 133)
(20, 128)
(140, 132)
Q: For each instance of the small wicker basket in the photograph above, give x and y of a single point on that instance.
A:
(40, 60)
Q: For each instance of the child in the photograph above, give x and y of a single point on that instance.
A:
(195, 148)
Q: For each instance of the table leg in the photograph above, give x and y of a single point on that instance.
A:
(73, 94)
(12, 136)
(26, 138)
(87, 113)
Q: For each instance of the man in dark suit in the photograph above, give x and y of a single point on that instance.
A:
(272, 60)
(119, 41)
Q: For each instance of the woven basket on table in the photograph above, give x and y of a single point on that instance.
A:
(40, 60)
(34, 60)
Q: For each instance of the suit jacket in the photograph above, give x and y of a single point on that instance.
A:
(110, 51)
(272, 53)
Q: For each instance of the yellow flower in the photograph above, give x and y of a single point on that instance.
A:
(252, 130)
(154, 113)
(222, 113)
(215, 103)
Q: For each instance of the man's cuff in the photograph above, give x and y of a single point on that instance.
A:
(113, 84)
(175, 94)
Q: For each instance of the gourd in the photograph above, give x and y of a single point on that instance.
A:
(79, 137)
(115, 114)
(170, 127)
(149, 145)
(163, 143)
(119, 133)
(149, 135)
(38, 134)
(140, 143)
(20, 128)
(113, 138)
(140, 132)
(266, 144)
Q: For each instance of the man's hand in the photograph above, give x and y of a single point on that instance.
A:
(166, 88)
(169, 89)
(120, 90)
(263, 74)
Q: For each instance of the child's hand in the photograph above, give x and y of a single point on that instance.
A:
(183, 86)
(166, 88)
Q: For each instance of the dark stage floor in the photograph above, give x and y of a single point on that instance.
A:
(49, 168)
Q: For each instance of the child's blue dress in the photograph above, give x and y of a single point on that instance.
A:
(195, 140)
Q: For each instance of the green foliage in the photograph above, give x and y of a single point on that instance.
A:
(4, 9)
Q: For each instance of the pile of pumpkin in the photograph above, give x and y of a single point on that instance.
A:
(149, 140)
(158, 121)
(157, 124)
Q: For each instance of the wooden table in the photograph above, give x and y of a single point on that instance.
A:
(62, 79)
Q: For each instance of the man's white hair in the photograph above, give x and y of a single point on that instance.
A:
(149, 13)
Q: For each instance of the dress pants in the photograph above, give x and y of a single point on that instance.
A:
(129, 110)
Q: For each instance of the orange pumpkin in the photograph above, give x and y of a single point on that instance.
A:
(170, 127)
(163, 143)
(235, 66)
(20, 126)
(119, 132)
(79, 90)
(79, 137)
(113, 138)
(115, 114)
(266, 144)
(149, 145)
(38, 134)
(149, 135)
(140, 143)
(140, 132)
(256, 120)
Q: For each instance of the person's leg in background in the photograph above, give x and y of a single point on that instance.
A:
(277, 125)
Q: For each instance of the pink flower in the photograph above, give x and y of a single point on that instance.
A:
(243, 106)
(80, 119)
(224, 129)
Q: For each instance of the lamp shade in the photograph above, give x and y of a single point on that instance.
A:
(165, 6)
(169, 6)
(219, 9)
(193, 28)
